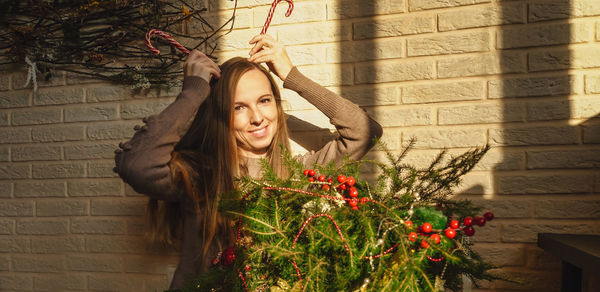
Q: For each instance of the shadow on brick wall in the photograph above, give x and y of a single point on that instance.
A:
(352, 48)
(545, 179)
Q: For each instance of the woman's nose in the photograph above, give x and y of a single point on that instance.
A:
(256, 117)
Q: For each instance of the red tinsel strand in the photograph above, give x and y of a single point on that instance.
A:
(339, 231)
(167, 37)
(314, 194)
(304, 192)
(243, 280)
(272, 10)
(435, 259)
(384, 253)
(245, 196)
(239, 233)
(298, 273)
(319, 195)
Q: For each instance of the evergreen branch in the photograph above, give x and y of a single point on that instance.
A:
(257, 221)
(276, 213)
(260, 232)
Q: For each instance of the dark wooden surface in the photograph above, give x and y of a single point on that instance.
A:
(579, 250)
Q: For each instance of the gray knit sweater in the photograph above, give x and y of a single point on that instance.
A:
(143, 161)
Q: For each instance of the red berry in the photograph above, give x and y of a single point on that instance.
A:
(364, 200)
(228, 256)
(325, 187)
(469, 231)
(343, 186)
(321, 178)
(329, 180)
(424, 243)
(412, 236)
(305, 172)
(426, 227)
(353, 202)
(468, 221)
(355, 208)
(409, 224)
(488, 216)
(353, 192)
(247, 268)
(454, 224)
(341, 178)
(450, 233)
(311, 179)
(350, 181)
(436, 238)
(312, 172)
(480, 221)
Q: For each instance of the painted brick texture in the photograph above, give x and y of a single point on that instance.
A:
(521, 76)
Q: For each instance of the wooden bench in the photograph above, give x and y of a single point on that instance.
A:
(580, 255)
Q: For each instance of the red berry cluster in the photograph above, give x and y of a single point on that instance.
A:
(449, 232)
(469, 222)
(226, 257)
(346, 185)
(311, 173)
(424, 229)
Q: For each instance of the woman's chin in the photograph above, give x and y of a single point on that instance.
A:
(254, 149)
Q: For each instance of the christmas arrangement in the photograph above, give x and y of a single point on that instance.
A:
(325, 229)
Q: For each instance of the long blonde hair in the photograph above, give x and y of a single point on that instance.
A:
(205, 161)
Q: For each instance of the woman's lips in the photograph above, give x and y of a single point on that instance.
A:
(259, 132)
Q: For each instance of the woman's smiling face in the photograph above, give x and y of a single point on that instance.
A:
(254, 114)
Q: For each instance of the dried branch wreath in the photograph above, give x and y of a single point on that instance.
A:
(103, 39)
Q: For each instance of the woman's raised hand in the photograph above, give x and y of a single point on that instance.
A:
(198, 64)
(268, 50)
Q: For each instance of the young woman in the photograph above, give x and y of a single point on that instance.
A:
(238, 120)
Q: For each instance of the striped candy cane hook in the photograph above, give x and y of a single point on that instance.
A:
(272, 10)
(167, 37)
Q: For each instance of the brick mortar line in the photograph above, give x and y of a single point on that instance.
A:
(533, 173)
(62, 143)
(508, 244)
(491, 126)
(66, 180)
(540, 172)
(570, 20)
(529, 197)
(518, 125)
(543, 221)
(455, 7)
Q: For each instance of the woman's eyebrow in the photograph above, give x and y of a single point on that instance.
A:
(264, 95)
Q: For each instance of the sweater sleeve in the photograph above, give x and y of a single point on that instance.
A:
(355, 128)
(143, 161)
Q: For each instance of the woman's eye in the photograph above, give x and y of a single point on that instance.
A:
(238, 107)
(266, 100)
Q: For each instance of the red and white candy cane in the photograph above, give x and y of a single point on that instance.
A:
(272, 10)
(167, 37)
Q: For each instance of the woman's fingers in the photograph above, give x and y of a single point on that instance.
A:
(198, 64)
(262, 44)
(194, 55)
(216, 71)
(262, 58)
(260, 54)
(259, 37)
(262, 40)
(268, 50)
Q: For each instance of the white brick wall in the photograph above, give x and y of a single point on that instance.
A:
(522, 76)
